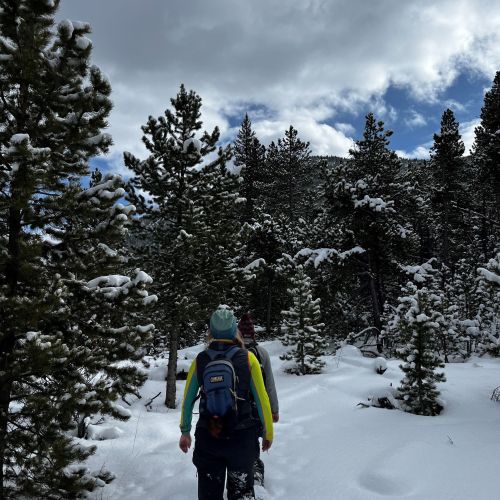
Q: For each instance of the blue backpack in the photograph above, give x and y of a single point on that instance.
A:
(219, 384)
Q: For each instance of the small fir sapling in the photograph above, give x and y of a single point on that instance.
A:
(418, 324)
(303, 329)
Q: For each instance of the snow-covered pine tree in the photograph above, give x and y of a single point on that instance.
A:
(417, 326)
(262, 251)
(250, 155)
(486, 163)
(447, 200)
(222, 277)
(332, 279)
(289, 175)
(454, 341)
(60, 248)
(366, 214)
(488, 315)
(181, 229)
(303, 327)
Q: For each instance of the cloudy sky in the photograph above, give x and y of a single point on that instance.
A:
(319, 65)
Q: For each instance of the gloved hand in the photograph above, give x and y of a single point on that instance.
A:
(266, 444)
(185, 442)
(276, 417)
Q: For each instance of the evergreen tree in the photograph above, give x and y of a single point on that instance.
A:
(183, 232)
(289, 170)
(488, 315)
(303, 329)
(365, 220)
(418, 325)
(454, 342)
(333, 278)
(61, 246)
(421, 215)
(249, 154)
(486, 161)
(263, 255)
(220, 241)
(448, 200)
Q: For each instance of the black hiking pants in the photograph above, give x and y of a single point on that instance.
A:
(213, 457)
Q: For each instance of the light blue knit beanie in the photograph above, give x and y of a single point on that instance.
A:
(223, 324)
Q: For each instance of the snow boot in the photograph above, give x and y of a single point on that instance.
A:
(258, 472)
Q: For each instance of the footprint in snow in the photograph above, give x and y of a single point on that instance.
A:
(384, 485)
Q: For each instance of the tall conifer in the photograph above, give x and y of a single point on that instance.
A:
(447, 172)
(185, 223)
(61, 247)
(249, 154)
(486, 161)
(366, 215)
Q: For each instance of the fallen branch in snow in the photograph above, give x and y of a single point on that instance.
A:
(152, 399)
(496, 394)
(136, 394)
(383, 403)
(379, 402)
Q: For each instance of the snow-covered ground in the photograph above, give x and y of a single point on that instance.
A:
(326, 447)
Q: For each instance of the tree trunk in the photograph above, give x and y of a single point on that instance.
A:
(484, 227)
(5, 394)
(375, 295)
(170, 393)
(269, 305)
(7, 343)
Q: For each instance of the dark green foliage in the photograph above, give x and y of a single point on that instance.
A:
(448, 200)
(264, 259)
(250, 155)
(290, 170)
(188, 226)
(364, 230)
(486, 162)
(60, 247)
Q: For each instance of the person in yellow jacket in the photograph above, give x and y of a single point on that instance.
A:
(223, 445)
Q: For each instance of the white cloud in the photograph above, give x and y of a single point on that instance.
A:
(345, 128)
(467, 132)
(455, 106)
(420, 152)
(415, 119)
(284, 57)
(324, 139)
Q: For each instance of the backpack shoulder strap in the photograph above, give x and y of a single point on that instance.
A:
(253, 348)
(232, 351)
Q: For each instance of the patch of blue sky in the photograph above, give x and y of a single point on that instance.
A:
(255, 111)
(414, 121)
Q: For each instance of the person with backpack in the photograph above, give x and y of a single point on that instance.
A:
(228, 377)
(247, 331)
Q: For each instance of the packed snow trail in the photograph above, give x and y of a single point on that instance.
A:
(326, 447)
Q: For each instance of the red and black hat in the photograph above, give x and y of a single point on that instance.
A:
(245, 326)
